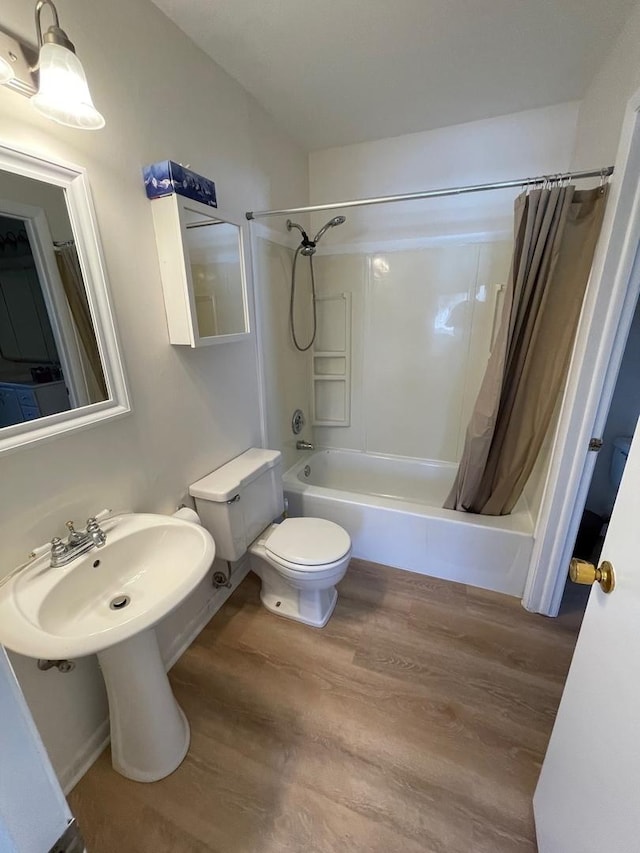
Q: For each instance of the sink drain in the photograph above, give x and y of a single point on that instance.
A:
(119, 602)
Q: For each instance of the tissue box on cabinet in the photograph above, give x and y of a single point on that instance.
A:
(167, 177)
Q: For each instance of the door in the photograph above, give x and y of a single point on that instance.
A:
(588, 794)
(34, 815)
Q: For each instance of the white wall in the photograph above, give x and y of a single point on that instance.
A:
(192, 410)
(528, 143)
(422, 410)
(603, 106)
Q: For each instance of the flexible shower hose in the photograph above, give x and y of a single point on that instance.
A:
(292, 324)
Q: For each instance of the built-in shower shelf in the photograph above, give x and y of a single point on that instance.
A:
(331, 362)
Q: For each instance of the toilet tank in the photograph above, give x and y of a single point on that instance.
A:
(239, 500)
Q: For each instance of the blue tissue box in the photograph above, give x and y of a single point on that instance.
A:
(167, 177)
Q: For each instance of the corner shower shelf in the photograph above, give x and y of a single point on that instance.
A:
(331, 362)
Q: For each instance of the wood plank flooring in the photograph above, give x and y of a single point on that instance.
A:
(416, 720)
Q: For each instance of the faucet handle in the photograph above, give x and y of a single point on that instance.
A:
(96, 532)
(58, 548)
(74, 535)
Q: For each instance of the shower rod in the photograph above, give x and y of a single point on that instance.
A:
(603, 173)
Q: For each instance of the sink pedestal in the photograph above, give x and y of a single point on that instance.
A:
(149, 731)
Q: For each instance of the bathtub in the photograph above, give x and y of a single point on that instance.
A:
(392, 508)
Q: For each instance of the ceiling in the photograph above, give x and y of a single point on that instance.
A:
(334, 72)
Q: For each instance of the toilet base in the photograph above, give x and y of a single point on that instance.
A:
(302, 595)
(312, 608)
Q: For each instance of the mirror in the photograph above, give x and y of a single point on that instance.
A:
(214, 251)
(204, 269)
(59, 364)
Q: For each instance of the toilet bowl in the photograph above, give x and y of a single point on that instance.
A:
(298, 560)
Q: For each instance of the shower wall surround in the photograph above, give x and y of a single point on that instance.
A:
(421, 332)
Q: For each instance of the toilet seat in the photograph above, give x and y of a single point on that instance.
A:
(307, 544)
(295, 571)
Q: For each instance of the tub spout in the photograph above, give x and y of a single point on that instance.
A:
(304, 445)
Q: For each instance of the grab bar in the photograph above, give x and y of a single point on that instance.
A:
(494, 322)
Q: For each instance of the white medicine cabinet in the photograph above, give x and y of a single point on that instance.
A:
(203, 265)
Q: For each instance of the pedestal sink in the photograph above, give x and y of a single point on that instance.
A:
(107, 602)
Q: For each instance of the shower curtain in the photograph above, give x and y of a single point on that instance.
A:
(73, 284)
(555, 231)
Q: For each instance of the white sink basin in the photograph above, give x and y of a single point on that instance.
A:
(154, 560)
(149, 562)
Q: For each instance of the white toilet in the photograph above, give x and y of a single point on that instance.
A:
(299, 561)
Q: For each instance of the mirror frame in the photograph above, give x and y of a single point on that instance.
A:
(73, 180)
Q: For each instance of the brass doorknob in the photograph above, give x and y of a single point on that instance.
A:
(582, 572)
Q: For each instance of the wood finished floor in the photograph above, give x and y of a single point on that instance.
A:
(415, 721)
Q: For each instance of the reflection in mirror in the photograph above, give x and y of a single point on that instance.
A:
(49, 358)
(214, 250)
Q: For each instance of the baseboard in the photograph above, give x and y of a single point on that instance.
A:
(183, 640)
(85, 757)
(100, 738)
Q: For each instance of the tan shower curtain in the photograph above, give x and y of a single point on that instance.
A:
(556, 231)
(73, 284)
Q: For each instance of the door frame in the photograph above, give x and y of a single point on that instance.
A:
(605, 321)
(62, 325)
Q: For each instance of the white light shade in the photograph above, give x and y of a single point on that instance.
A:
(64, 94)
(6, 71)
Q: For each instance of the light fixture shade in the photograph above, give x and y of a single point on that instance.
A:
(64, 94)
(6, 71)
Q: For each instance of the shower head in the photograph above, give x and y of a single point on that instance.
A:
(337, 220)
(307, 246)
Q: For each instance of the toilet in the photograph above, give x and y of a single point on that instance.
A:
(299, 560)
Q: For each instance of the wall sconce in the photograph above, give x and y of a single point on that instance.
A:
(62, 93)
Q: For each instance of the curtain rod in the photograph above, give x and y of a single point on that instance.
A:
(603, 173)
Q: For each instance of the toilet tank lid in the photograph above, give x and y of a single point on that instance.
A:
(224, 483)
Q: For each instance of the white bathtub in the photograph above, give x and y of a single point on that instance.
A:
(392, 509)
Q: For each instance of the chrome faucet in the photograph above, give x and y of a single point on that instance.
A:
(304, 445)
(78, 542)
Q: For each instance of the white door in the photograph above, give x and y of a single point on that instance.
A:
(34, 815)
(588, 794)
